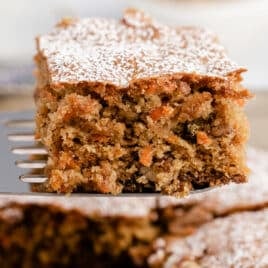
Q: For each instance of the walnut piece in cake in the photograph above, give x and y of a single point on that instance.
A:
(137, 106)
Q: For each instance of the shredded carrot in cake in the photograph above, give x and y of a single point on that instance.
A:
(66, 160)
(146, 155)
(202, 138)
(159, 112)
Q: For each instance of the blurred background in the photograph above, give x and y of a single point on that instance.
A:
(242, 26)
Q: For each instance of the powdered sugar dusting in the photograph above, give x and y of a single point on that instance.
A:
(240, 240)
(136, 47)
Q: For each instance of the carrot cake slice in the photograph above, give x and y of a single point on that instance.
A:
(137, 106)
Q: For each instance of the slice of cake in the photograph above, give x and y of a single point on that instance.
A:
(137, 106)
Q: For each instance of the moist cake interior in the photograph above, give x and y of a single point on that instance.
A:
(178, 136)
